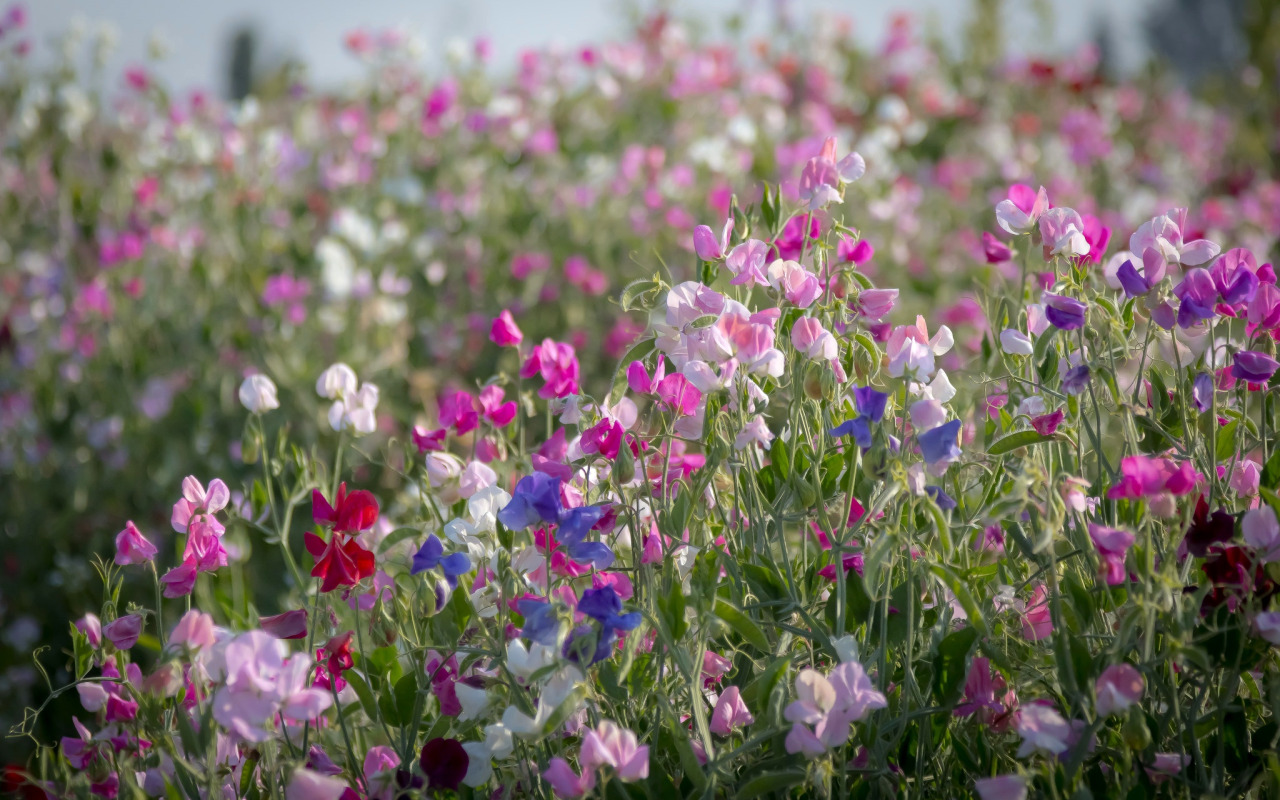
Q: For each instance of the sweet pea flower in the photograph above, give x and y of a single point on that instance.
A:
(379, 772)
(350, 512)
(504, 332)
(194, 631)
(1075, 380)
(995, 251)
(307, 784)
(336, 382)
(1264, 308)
(829, 704)
(492, 407)
(457, 410)
(1016, 343)
(1001, 787)
(798, 285)
(1164, 235)
(1037, 621)
(874, 304)
(91, 627)
(196, 503)
(1246, 478)
(1043, 730)
(1064, 313)
(1165, 766)
(730, 712)
(565, 782)
(181, 580)
(1234, 274)
(355, 411)
(756, 431)
(1062, 231)
(557, 364)
(816, 342)
(1118, 687)
(132, 547)
(1198, 295)
(123, 632)
(613, 746)
(747, 263)
(1266, 624)
(940, 446)
(1112, 545)
(1262, 532)
(678, 394)
(288, 625)
(341, 561)
(822, 176)
(258, 394)
(1022, 210)
(706, 245)
(1253, 366)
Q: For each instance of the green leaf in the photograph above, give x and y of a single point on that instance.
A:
(246, 775)
(640, 295)
(770, 782)
(952, 665)
(363, 692)
(780, 456)
(743, 624)
(1225, 444)
(760, 687)
(672, 609)
(396, 537)
(1018, 440)
(1271, 471)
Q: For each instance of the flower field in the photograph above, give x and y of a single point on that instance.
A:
(686, 415)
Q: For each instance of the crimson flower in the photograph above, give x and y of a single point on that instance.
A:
(341, 561)
(352, 512)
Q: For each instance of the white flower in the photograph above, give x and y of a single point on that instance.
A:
(258, 394)
(1015, 342)
(524, 661)
(336, 382)
(476, 476)
(356, 411)
(473, 701)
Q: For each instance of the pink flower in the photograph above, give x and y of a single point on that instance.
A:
(132, 547)
(1062, 231)
(80, 752)
(705, 244)
(1037, 622)
(1164, 234)
(616, 747)
(1022, 210)
(678, 394)
(1165, 766)
(504, 331)
(289, 625)
(179, 581)
(1042, 730)
(491, 406)
(797, 284)
(747, 261)
(123, 633)
(427, 441)
(1001, 787)
(730, 712)
(809, 337)
(830, 706)
(309, 785)
(1112, 546)
(1118, 687)
(875, 304)
(756, 431)
(557, 363)
(1047, 424)
(197, 502)
(1262, 533)
(194, 631)
(91, 627)
(1246, 478)
(379, 772)
(565, 782)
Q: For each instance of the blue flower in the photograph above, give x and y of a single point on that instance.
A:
(431, 555)
(857, 427)
(870, 402)
(597, 554)
(604, 606)
(940, 497)
(575, 523)
(939, 444)
(541, 623)
(536, 499)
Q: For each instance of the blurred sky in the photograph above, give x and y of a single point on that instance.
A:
(198, 31)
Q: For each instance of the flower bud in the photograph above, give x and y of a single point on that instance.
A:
(1135, 731)
(624, 466)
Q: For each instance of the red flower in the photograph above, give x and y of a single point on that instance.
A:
(349, 513)
(340, 561)
(338, 653)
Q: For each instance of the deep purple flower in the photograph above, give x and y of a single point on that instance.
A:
(1133, 283)
(1065, 313)
(1202, 391)
(941, 444)
(1198, 295)
(870, 402)
(995, 250)
(1076, 379)
(1254, 367)
(1208, 529)
(444, 762)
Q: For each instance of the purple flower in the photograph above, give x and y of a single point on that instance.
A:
(941, 445)
(940, 497)
(857, 427)
(1065, 313)
(444, 762)
(605, 606)
(1133, 283)
(1254, 367)
(1076, 379)
(1202, 391)
(541, 623)
(870, 402)
(1198, 295)
(431, 555)
(1234, 275)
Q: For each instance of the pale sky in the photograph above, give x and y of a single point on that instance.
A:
(197, 31)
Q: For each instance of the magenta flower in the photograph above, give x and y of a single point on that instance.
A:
(565, 782)
(132, 547)
(1235, 276)
(197, 502)
(1254, 367)
(706, 245)
(500, 414)
(1022, 210)
(638, 377)
(995, 251)
(557, 364)
(1118, 687)
(289, 625)
(730, 712)
(678, 394)
(123, 632)
(856, 253)
(1047, 424)
(429, 441)
(614, 746)
(457, 411)
(1264, 308)
(504, 332)
(1112, 545)
(181, 580)
(875, 304)
(91, 627)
